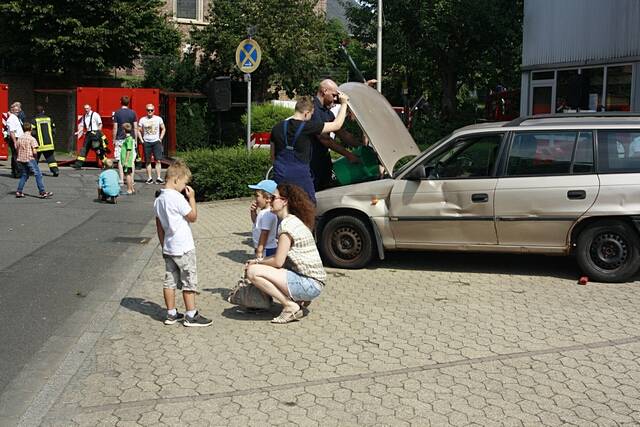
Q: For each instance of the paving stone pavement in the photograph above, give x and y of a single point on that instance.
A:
(419, 339)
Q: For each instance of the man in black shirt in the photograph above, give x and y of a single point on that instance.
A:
(120, 117)
(321, 165)
(291, 144)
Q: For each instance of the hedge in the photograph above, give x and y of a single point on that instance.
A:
(265, 116)
(224, 173)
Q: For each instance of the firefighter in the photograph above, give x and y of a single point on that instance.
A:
(45, 129)
(90, 125)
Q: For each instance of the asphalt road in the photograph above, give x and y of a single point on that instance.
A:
(55, 254)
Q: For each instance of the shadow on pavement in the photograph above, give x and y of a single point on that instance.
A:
(223, 292)
(238, 256)
(241, 313)
(563, 267)
(243, 234)
(248, 241)
(146, 307)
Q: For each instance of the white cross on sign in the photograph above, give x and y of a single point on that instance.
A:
(248, 55)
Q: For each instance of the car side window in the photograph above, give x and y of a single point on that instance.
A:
(471, 157)
(546, 153)
(618, 151)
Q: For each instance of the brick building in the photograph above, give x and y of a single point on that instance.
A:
(194, 12)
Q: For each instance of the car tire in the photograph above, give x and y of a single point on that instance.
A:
(608, 251)
(346, 242)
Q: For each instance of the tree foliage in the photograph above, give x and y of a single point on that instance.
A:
(82, 36)
(442, 47)
(298, 46)
(173, 72)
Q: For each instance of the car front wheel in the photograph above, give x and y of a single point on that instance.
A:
(346, 242)
(608, 251)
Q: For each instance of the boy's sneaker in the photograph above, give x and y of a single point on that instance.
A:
(159, 180)
(171, 320)
(19, 194)
(46, 195)
(197, 320)
(149, 181)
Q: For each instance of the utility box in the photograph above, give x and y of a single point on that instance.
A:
(105, 102)
(4, 107)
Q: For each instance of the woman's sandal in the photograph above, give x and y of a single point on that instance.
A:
(287, 316)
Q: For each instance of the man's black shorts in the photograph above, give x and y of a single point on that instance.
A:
(152, 147)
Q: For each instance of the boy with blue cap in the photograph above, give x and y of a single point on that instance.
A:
(265, 222)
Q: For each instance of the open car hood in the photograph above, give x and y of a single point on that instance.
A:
(387, 134)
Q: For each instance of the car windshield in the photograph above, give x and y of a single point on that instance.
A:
(408, 164)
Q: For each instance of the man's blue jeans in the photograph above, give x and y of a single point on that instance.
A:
(25, 168)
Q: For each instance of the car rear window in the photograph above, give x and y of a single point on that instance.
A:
(618, 151)
(551, 153)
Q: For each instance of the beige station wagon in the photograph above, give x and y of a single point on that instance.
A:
(558, 185)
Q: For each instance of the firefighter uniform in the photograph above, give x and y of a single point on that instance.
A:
(44, 131)
(94, 139)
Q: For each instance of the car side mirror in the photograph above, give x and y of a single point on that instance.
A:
(416, 174)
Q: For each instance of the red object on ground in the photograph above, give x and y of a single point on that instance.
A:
(105, 101)
(4, 107)
(583, 280)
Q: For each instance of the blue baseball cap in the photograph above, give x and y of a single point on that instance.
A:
(265, 185)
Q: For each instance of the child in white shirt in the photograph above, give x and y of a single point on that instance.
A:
(175, 209)
(265, 222)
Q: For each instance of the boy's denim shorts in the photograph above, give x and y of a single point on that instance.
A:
(180, 271)
(302, 288)
(269, 251)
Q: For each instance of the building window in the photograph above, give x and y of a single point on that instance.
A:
(186, 9)
(579, 90)
(191, 10)
(592, 89)
(619, 88)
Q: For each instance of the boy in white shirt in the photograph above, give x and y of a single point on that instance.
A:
(175, 208)
(265, 222)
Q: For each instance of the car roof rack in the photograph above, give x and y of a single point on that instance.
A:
(609, 114)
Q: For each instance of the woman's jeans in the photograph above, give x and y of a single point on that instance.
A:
(25, 168)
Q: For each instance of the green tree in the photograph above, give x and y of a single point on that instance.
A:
(173, 72)
(298, 46)
(82, 36)
(443, 47)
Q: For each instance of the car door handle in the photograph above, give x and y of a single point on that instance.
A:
(576, 194)
(480, 198)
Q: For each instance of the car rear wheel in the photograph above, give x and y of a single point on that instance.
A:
(608, 251)
(346, 242)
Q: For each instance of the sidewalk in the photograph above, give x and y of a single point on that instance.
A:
(423, 339)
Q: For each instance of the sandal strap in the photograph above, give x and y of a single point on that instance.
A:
(287, 316)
